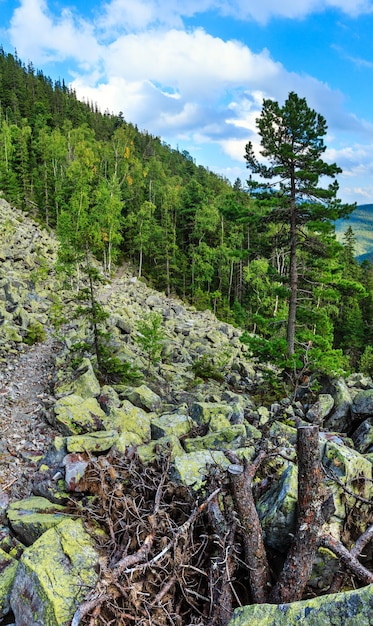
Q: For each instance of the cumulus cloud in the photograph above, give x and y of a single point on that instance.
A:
(42, 37)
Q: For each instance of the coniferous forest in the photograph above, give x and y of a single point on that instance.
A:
(104, 185)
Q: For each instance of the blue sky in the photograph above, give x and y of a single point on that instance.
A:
(195, 72)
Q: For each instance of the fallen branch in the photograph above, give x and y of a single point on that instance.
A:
(347, 558)
(355, 551)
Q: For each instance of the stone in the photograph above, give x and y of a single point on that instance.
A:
(191, 469)
(350, 608)
(363, 403)
(33, 516)
(129, 418)
(84, 384)
(277, 509)
(164, 446)
(75, 466)
(205, 412)
(143, 397)
(8, 568)
(75, 415)
(171, 424)
(54, 575)
(229, 438)
(339, 419)
(99, 441)
(321, 409)
(363, 437)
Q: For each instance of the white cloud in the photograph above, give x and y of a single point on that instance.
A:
(41, 37)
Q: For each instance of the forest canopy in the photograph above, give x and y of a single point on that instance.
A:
(187, 230)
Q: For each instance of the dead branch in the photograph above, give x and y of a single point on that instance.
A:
(348, 559)
(255, 554)
(300, 559)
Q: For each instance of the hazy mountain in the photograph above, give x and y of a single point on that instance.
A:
(361, 222)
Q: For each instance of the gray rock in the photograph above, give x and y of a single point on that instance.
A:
(352, 608)
(363, 403)
(363, 437)
(53, 576)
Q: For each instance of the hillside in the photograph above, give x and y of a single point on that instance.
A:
(361, 222)
(133, 495)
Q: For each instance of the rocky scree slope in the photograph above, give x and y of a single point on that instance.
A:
(99, 434)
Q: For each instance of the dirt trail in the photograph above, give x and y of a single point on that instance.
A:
(25, 434)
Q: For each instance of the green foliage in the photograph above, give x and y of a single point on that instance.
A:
(205, 369)
(366, 361)
(35, 333)
(150, 336)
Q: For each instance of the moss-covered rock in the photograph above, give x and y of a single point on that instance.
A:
(191, 469)
(31, 517)
(352, 608)
(54, 575)
(84, 383)
(143, 397)
(130, 418)
(230, 438)
(276, 509)
(99, 441)
(171, 424)
(8, 568)
(76, 416)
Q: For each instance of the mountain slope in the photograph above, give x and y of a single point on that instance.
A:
(361, 222)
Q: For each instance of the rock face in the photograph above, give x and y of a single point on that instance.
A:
(352, 608)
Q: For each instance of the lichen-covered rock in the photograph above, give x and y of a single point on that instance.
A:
(207, 412)
(76, 416)
(191, 469)
(142, 397)
(229, 438)
(84, 383)
(130, 419)
(351, 608)
(8, 568)
(340, 418)
(171, 424)
(321, 409)
(99, 441)
(165, 446)
(54, 575)
(346, 466)
(363, 437)
(363, 403)
(276, 509)
(31, 517)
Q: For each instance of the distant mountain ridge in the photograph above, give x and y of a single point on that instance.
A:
(361, 222)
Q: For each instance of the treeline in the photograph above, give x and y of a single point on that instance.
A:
(187, 230)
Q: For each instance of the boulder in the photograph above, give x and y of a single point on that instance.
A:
(363, 403)
(142, 397)
(340, 418)
(8, 568)
(99, 441)
(277, 509)
(351, 608)
(363, 437)
(75, 415)
(30, 518)
(321, 409)
(54, 575)
(84, 383)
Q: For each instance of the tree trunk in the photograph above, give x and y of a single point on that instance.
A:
(293, 274)
(255, 554)
(299, 562)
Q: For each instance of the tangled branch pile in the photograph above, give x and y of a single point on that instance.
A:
(163, 561)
